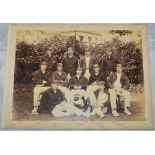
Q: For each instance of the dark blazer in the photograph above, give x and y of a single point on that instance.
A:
(82, 81)
(50, 99)
(70, 65)
(91, 63)
(59, 78)
(99, 77)
(124, 81)
(109, 64)
(39, 77)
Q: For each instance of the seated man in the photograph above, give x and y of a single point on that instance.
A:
(98, 99)
(118, 85)
(61, 78)
(54, 101)
(41, 81)
(95, 77)
(78, 84)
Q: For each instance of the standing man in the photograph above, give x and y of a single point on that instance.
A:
(41, 80)
(78, 85)
(51, 61)
(109, 63)
(61, 78)
(98, 99)
(70, 63)
(86, 63)
(119, 84)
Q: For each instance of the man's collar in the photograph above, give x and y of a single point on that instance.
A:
(53, 90)
(119, 73)
(70, 57)
(42, 71)
(97, 73)
(78, 76)
(49, 56)
(59, 72)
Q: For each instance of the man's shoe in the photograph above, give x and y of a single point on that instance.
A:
(88, 110)
(105, 109)
(35, 111)
(126, 111)
(86, 114)
(93, 113)
(102, 115)
(68, 114)
(115, 113)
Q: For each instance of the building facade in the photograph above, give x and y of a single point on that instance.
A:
(86, 37)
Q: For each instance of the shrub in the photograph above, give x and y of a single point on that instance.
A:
(28, 55)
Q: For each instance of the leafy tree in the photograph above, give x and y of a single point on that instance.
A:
(121, 32)
(28, 55)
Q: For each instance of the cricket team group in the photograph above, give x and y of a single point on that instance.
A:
(80, 86)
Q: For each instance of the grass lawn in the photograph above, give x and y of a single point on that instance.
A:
(23, 105)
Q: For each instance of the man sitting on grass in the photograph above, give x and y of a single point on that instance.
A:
(54, 102)
(119, 84)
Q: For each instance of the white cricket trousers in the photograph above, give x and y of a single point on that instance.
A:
(37, 94)
(113, 96)
(66, 109)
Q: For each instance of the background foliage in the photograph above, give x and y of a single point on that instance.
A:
(28, 55)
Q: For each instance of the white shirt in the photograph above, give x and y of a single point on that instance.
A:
(117, 83)
(78, 77)
(59, 73)
(87, 61)
(43, 71)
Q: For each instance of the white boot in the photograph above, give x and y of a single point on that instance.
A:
(93, 113)
(35, 111)
(126, 111)
(101, 115)
(86, 114)
(100, 112)
(115, 113)
(105, 109)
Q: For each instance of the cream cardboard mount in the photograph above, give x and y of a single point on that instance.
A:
(124, 38)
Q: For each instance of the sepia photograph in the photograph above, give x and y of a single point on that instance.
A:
(78, 76)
